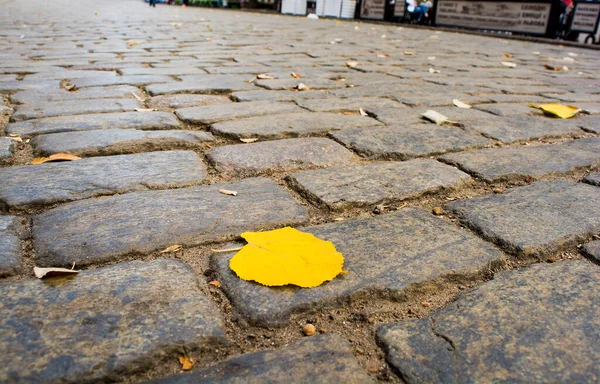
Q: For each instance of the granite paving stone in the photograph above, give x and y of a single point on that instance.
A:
(97, 230)
(117, 141)
(278, 155)
(593, 178)
(384, 255)
(376, 183)
(185, 101)
(508, 163)
(591, 108)
(319, 359)
(537, 219)
(396, 116)
(7, 146)
(121, 120)
(535, 325)
(290, 125)
(292, 83)
(279, 95)
(408, 141)
(99, 81)
(348, 105)
(32, 185)
(510, 109)
(103, 323)
(29, 84)
(210, 114)
(593, 250)
(589, 123)
(11, 233)
(203, 84)
(73, 107)
(36, 96)
(508, 129)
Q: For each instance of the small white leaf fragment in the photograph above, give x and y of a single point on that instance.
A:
(249, 140)
(435, 117)
(302, 87)
(295, 75)
(228, 192)
(252, 80)
(264, 76)
(172, 248)
(460, 104)
(573, 54)
(137, 97)
(40, 273)
(362, 112)
(351, 64)
(145, 109)
(431, 70)
(410, 53)
(508, 64)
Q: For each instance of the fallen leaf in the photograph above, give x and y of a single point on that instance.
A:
(228, 192)
(437, 211)
(426, 303)
(362, 112)
(70, 87)
(508, 55)
(508, 64)
(435, 117)
(40, 273)
(249, 140)
(172, 248)
(383, 55)
(207, 145)
(559, 110)
(16, 138)
(460, 104)
(347, 113)
(410, 53)
(431, 70)
(301, 87)
(215, 283)
(264, 76)
(552, 68)
(287, 256)
(145, 110)
(573, 54)
(351, 64)
(55, 157)
(251, 80)
(295, 75)
(132, 43)
(186, 363)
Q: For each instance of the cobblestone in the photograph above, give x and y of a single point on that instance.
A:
(7, 146)
(524, 326)
(211, 114)
(593, 250)
(73, 107)
(35, 96)
(185, 101)
(593, 178)
(11, 233)
(104, 322)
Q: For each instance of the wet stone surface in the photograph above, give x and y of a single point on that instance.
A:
(214, 113)
(278, 155)
(406, 142)
(377, 183)
(518, 162)
(139, 120)
(536, 325)
(291, 125)
(33, 185)
(318, 359)
(117, 141)
(11, 233)
(100, 324)
(382, 254)
(105, 229)
(540, 218)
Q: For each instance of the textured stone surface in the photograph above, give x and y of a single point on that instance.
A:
(519, 128)
(290, 125)
(185, 101)
(517, 162)
(593, 178)
(376, 183)
(319, 359)
(214, 113)
(6, 147)
(536, 325)
(32, 185)
(396, 116)
(142, 222)
(593, 250)
(540, 218)
(291, 83)
(278, 95)
(278, 155)
(405, 142)
(11, 232)
(140, 120)
(73, 107)
(203, 84)
(510, 109)
(117, 141)
(98, 81)
(102, 323)
(589, 123)
(384, 255)
(348, 105)
(36, 96)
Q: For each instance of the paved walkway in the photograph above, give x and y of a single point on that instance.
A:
(469, 245)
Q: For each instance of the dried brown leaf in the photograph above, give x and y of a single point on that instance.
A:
(187, 363)
(215, 283)
(55, 157)
(295, 75)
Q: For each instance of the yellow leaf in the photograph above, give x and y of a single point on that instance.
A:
(55, 157)
(186, 363)
(287, 256)
(560, 110)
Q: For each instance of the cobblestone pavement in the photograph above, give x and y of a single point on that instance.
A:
(471, 247)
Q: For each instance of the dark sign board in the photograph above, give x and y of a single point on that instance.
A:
(373, 9)
(526, 17)
(585, 17)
